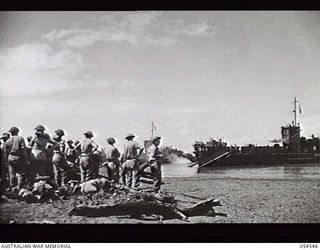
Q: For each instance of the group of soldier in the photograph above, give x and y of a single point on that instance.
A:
(23, 162)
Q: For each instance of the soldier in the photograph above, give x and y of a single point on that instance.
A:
(87, 164)
(71, 153)
(77, 147)
(5, 137)
(3, 172)
(39, 153)
(16, 155)
(4, 164)
(113, 162)
(96, 158)
(72, 160)
(59, 161)
(29, 167)
(154, 155)
(132, 151)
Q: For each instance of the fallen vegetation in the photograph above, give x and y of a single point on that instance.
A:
(102, 198)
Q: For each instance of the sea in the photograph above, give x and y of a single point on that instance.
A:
(291, 171)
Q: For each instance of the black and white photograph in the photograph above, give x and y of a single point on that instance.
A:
(160, 117)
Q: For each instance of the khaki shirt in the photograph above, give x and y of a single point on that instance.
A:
(154, 153)
(71, 153)
(111, 153)
(15, 146)
(88, 146)
(131, 149)
(59, 146)
(39, 147)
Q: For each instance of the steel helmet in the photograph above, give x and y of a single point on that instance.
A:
(129, 136)
(5, 136)
(59, 132)
(69, 141)
(156, 138)
(111, 140)
(14, 130)
(89, 133)
(40, 127)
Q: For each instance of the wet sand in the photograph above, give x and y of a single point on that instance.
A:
(255, 200)
(243, 201)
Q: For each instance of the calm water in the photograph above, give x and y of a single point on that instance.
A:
(293, 171)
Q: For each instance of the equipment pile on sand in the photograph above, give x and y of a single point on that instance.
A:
(102, 198)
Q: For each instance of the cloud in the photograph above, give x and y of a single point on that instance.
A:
(56, 34)
(198, 29)
(141, 19)
(36, 56)
(87, 38)
(35, 68)
(138, 29)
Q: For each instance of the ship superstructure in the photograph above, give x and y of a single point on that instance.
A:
(291, 148)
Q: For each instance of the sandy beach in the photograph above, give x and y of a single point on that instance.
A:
(243, 201)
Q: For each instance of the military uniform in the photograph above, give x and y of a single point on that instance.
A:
(4, 163)
(71, 153)
(154, 155)
(130, 163)
(40, 157)
(29, 167)
(113, 163)
(59, 161)
(87, 162)
(77, 147)
(3, 170)
(15, 151)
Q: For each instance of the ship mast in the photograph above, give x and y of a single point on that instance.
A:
(153, 130)
(295, 112)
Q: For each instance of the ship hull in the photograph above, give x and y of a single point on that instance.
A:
(262, 159)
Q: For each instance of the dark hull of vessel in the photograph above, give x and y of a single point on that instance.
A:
(295, 149)
(262, 159)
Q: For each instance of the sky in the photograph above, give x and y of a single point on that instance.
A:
(197, 74)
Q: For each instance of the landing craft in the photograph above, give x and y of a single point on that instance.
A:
(293, 149)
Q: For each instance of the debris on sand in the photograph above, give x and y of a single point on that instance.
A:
(103, 198)
(124, 201)
(133, 208)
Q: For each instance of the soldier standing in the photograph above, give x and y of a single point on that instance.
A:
(17, 158)
(59, 161)
(29, 167)
(3, 172)
(132, 151)
(72, 160)
(113, 162)
(71, 153)
(39, 153)
(87, 164)
(4, 165)
(5, 137)
(77, 147)
(154, 155)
